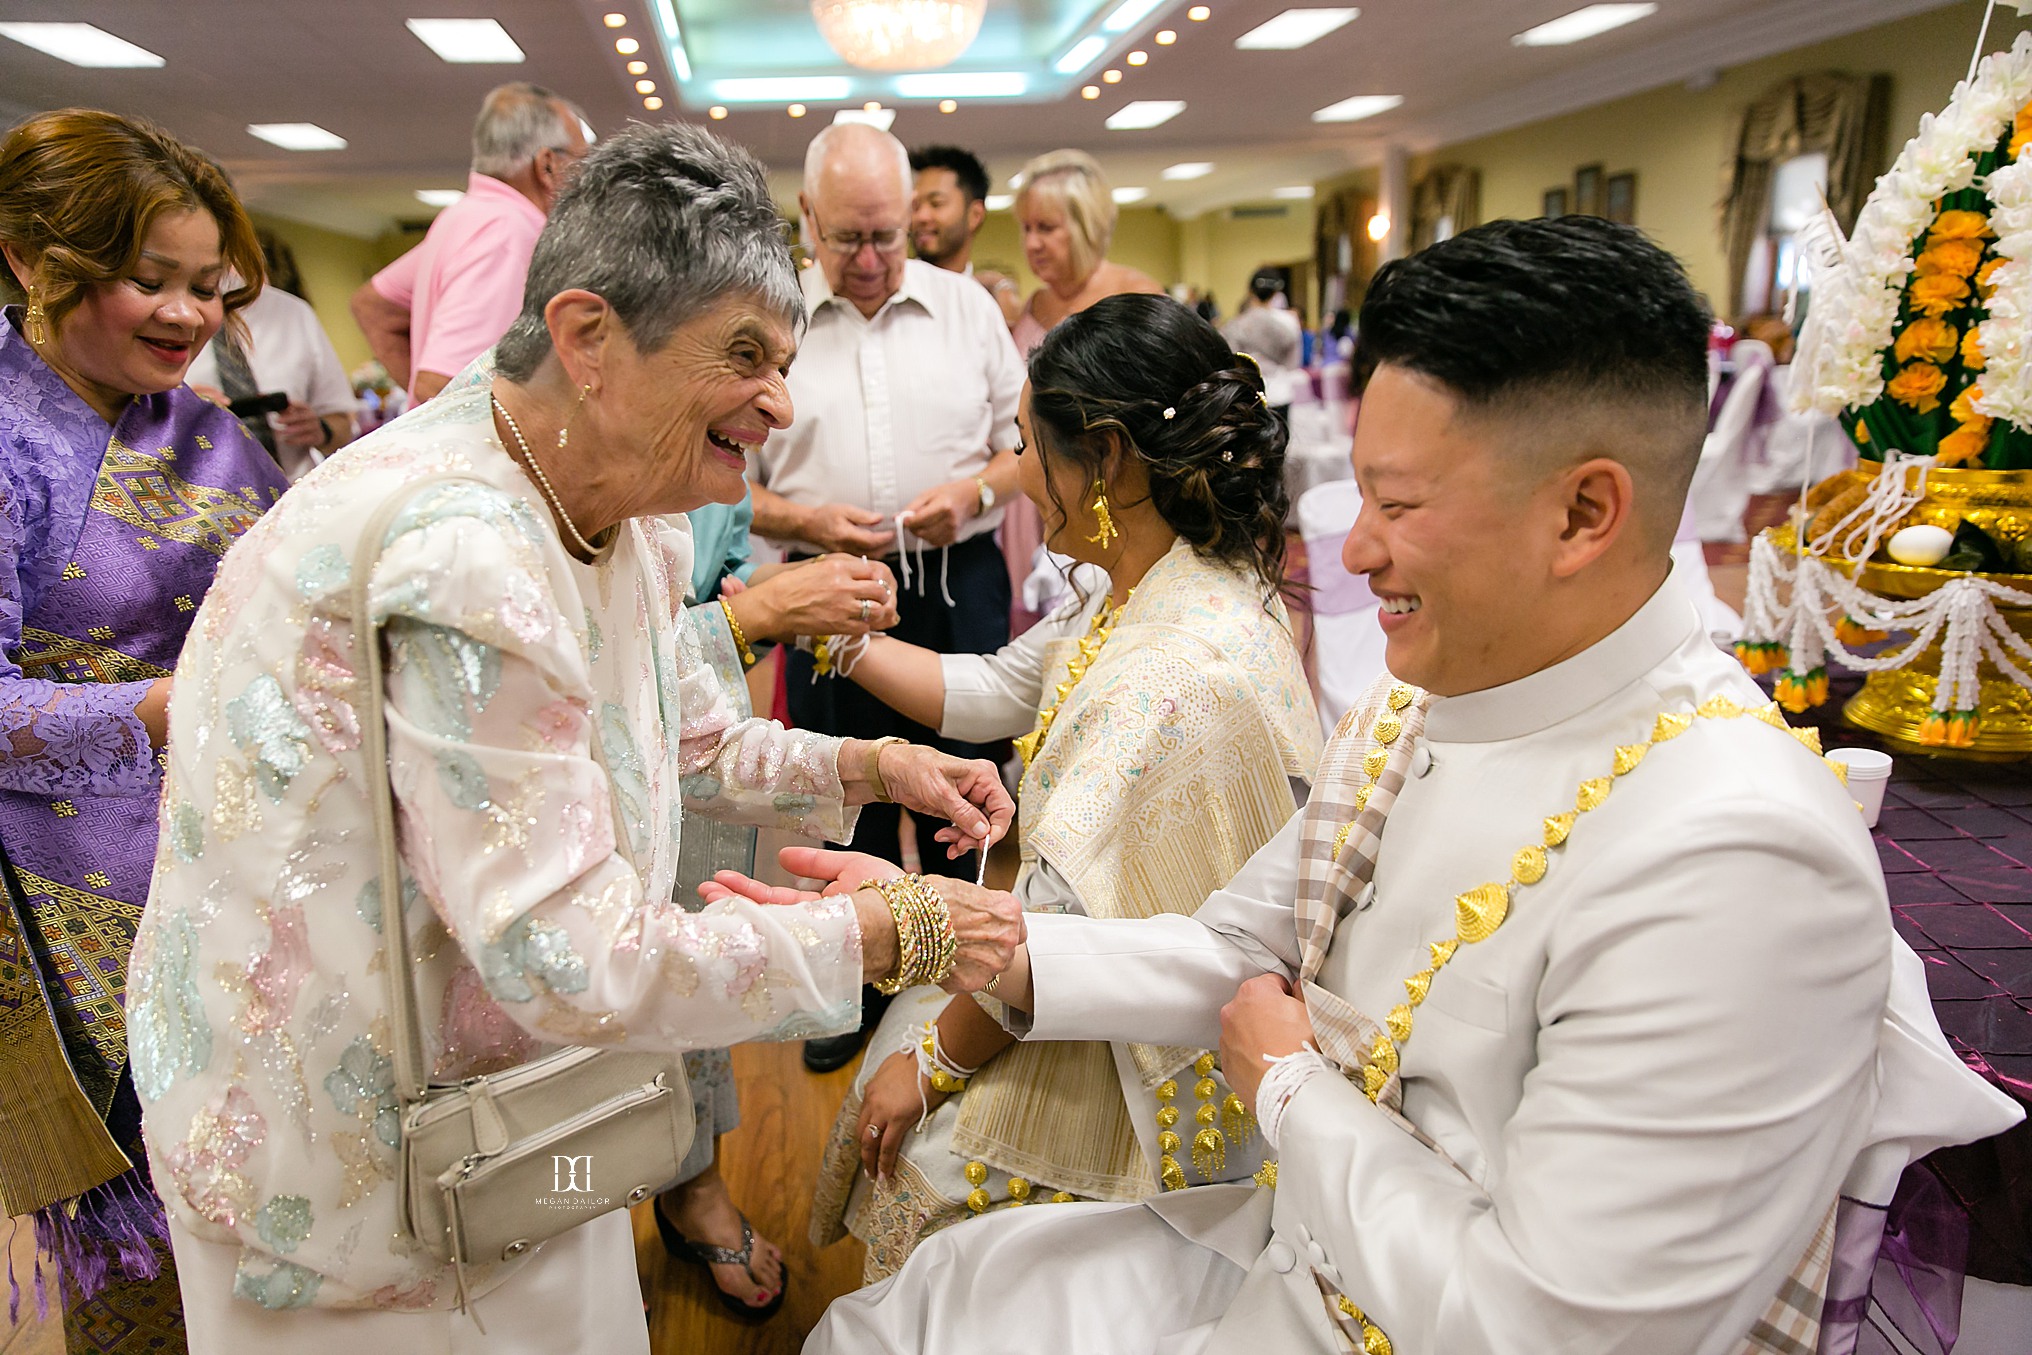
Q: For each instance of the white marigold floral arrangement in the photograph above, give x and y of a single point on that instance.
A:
(1918, 340)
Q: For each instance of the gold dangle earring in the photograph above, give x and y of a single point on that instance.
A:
(37, 320)
(564, 430)
(1103, 519)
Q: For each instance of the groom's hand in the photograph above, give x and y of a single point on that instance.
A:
(1262, 1023)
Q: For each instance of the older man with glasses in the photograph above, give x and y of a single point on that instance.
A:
(904, 441)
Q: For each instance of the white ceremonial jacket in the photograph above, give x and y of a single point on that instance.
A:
(1654, 1078)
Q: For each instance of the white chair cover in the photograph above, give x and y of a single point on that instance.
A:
(1347, 642)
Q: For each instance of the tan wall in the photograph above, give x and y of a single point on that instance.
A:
(1221, 252)
(333, 265)
(1679, 140)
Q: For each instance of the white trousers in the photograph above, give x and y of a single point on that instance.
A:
(1072, 1279)
(578, 1293)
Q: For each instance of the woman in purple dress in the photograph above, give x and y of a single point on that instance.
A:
(120, 490)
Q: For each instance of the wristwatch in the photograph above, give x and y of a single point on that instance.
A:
(987, 494)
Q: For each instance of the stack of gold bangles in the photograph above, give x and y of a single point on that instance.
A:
(925, 944)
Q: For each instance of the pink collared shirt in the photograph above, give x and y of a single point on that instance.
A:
(463, 284)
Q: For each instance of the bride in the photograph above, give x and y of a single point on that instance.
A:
(1167, 732)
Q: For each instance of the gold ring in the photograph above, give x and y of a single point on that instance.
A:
(989, 986)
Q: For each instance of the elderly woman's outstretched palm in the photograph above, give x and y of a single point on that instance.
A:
(987, 922)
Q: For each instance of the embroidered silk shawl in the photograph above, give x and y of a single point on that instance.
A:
(1166, 768)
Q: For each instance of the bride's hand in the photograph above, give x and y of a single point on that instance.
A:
(895, 1101)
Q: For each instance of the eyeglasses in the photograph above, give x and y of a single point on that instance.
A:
(849, 243)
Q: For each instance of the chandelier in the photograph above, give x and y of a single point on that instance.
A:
(892, 35)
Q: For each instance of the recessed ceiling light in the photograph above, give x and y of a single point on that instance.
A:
(467, 41)
(1190, 169)
(1199, 14)
(438, 197)
(615, 20)
(645, 86)
(652, 103)
(1294, 192)
(1081, 54)
(1128, 14)
(1138, 58)
(795, 110)
(1164, 37)
(1295, 28)
(872, 106)
(1091, 92)
(297, 136)
(1357, 108)
(666, 14)
(82, 45)
(776, 89)
(1128, 195)
(879, 117)
(717, 112)
(999, 202)
(1583, 24)
(1144, 113)
(963, 85)
(638, 68)
(627, 46)
(1111, 76)
(948, 105)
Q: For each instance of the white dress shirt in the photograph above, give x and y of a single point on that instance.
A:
(288, 351)
(886, 408)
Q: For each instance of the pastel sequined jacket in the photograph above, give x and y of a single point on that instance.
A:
(548, 720)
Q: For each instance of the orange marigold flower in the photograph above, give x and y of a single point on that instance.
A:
(1861, 437)
(1936, 294)
(1926, 340)
(1986, 276)
(1963, 409)
(1959, 258)
(2021, 131)
(1972, 350)
(1959, 225)
(1965, 445)
(1918, 386)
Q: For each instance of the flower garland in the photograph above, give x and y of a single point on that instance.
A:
(1855, 308)
(2003, 338)
(1962, 615)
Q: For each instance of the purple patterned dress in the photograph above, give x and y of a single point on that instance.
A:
(107, 546)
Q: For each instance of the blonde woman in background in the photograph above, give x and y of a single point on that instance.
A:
(1067, 212)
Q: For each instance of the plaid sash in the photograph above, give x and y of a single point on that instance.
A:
(1327, 886)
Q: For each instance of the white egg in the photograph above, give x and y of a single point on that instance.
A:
(1920, 545)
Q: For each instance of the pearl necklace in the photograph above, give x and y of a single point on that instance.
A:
(542, 480)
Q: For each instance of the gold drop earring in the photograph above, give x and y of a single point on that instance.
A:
(37, 320)
(1103, 519)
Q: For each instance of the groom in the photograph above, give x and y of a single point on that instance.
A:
(1570, 1004)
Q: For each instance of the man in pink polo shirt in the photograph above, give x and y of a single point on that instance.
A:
(448, 300)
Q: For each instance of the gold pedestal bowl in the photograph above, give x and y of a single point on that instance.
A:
(1892, 704)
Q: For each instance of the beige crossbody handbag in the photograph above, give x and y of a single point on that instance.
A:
(492, 1166)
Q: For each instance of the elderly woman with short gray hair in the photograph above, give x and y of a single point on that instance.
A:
(549, 722)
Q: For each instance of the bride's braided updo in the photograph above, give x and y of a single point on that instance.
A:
(1185, 406)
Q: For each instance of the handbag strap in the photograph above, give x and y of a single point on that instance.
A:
(411, 1082)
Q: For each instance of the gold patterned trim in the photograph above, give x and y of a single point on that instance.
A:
(62, 658)
(142, 491)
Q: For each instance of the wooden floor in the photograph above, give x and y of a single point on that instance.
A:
(771, 1166)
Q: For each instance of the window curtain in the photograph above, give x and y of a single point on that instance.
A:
(1841, 115)
(1444, 203)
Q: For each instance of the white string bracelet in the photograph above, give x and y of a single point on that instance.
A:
(932, 1065)
(1287, 1073)
(903, 539)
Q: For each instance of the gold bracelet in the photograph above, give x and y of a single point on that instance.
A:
(875, 781)
(926, 946)
(740, 640)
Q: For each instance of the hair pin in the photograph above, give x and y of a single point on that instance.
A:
(1170, 413)
(1228, 454)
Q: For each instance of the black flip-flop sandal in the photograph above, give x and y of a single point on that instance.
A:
(706, 1255)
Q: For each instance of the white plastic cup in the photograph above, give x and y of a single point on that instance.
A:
(1869, 773)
